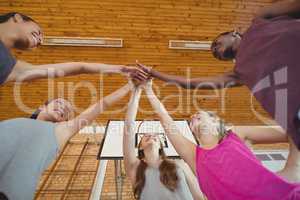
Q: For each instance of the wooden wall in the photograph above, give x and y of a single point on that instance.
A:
(146, 27)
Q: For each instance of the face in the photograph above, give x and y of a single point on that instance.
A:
(57, 110)
(150, 141)
(224, 46)
(30, 34)
(204, 122)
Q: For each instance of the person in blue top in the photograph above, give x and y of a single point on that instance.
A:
(28, 146)
(18, 31)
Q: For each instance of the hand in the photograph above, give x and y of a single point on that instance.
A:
(147, 85)
(134, 73)
(134, 84)
(144, 68)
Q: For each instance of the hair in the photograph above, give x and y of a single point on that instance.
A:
(167, 170)
(3, 197)
(229, 54)
(7, 16)
(36, 113)
(221, 127)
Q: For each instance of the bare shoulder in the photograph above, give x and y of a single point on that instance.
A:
(132, 171)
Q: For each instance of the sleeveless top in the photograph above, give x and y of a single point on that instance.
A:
(231, 171)
(7, 63)
(268, 63)
(27, 148)
(154, 189)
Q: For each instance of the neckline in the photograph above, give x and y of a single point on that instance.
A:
(218, 145)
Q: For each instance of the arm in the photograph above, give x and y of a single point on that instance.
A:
(226, 80)
(287, 7)
(191, 181)
(24, 71)
(261, 134)
(130, 160)
(184, 147)
(65, 130)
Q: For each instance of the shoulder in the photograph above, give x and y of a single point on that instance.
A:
(5, 54)
(7, 63)
(132, 171)
(26, 122)
(182, 167)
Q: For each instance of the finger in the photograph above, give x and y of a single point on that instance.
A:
(150, 78)
(142, 71)
(136, 77)
(141, 66)
(142, 74)
(145, 76)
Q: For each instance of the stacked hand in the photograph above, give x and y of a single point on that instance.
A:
(146, 85)
(139, 76)
(144, 68)
(135, 73)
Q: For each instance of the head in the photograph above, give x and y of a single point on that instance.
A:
(28, 34)
(208, 124)
(57, 110)
(150, 143)
(167, 168)
(224, 47)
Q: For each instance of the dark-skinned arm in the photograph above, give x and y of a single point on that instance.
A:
(287, 7)
(226, 80)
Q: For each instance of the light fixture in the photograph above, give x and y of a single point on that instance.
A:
(194, 45)
(81, 41)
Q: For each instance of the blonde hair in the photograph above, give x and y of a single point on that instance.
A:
(218, 126)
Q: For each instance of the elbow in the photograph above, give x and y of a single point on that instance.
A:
(78, 68)
(104, 104)
(82, 68)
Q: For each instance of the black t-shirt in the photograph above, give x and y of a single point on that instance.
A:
(7, 62)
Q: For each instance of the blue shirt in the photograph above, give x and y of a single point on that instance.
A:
(27, 148)
(7, 63)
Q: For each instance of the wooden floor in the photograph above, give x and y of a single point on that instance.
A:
(73, 174)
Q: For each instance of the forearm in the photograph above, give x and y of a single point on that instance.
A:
(101, 68)
(132, 110)
(28, 72)
(184, 147)
(94, 111)
(206, 83)
(287, 7)
(161, 111)
(261, 134)
(181, 81)
(130, 159)
(90, 114)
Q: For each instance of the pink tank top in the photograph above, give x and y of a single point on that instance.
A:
(231, 171)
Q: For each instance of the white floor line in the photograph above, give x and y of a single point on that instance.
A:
(271, 164)
(98, 184)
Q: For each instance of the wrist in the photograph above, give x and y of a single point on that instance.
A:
(149, 90)
(150, 70)
(138, 89)
(121, 69)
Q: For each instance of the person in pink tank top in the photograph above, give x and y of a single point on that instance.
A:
(266, 61)
(225, 167)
